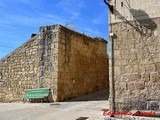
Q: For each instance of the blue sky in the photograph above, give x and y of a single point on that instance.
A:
(20, 18)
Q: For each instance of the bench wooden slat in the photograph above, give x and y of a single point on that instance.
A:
(36, 93)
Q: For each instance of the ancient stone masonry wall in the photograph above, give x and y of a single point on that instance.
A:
(137, 64)
(69, 63)
(1, 67)
(19, 71)
(82, 66)
(49, 58)
(33, 65)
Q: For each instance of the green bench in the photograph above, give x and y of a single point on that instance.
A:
(37, 93)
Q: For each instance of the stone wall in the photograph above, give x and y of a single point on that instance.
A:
(82, 66)
(70, 63)
(136, 64)
(48, 62)
(19, 71)
(134, 9)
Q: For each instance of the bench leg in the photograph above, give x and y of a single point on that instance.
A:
(24, 100)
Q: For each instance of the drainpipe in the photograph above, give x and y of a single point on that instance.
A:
(112, 72)
(112, 91)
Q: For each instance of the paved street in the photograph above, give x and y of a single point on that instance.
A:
(87, 106)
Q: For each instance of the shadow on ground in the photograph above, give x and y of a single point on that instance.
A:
(97, 96)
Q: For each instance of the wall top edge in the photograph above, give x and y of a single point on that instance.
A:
(57, 27)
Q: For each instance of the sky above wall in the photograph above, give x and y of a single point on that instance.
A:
(20, 18)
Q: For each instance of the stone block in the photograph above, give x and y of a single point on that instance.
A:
(153, 105)
(134, 76)
(155, 76)
(131, 86)
(150, 67)
(123, 86)
(145, 76)
(140, 85)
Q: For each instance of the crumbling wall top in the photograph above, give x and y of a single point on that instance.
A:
(93, 39)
